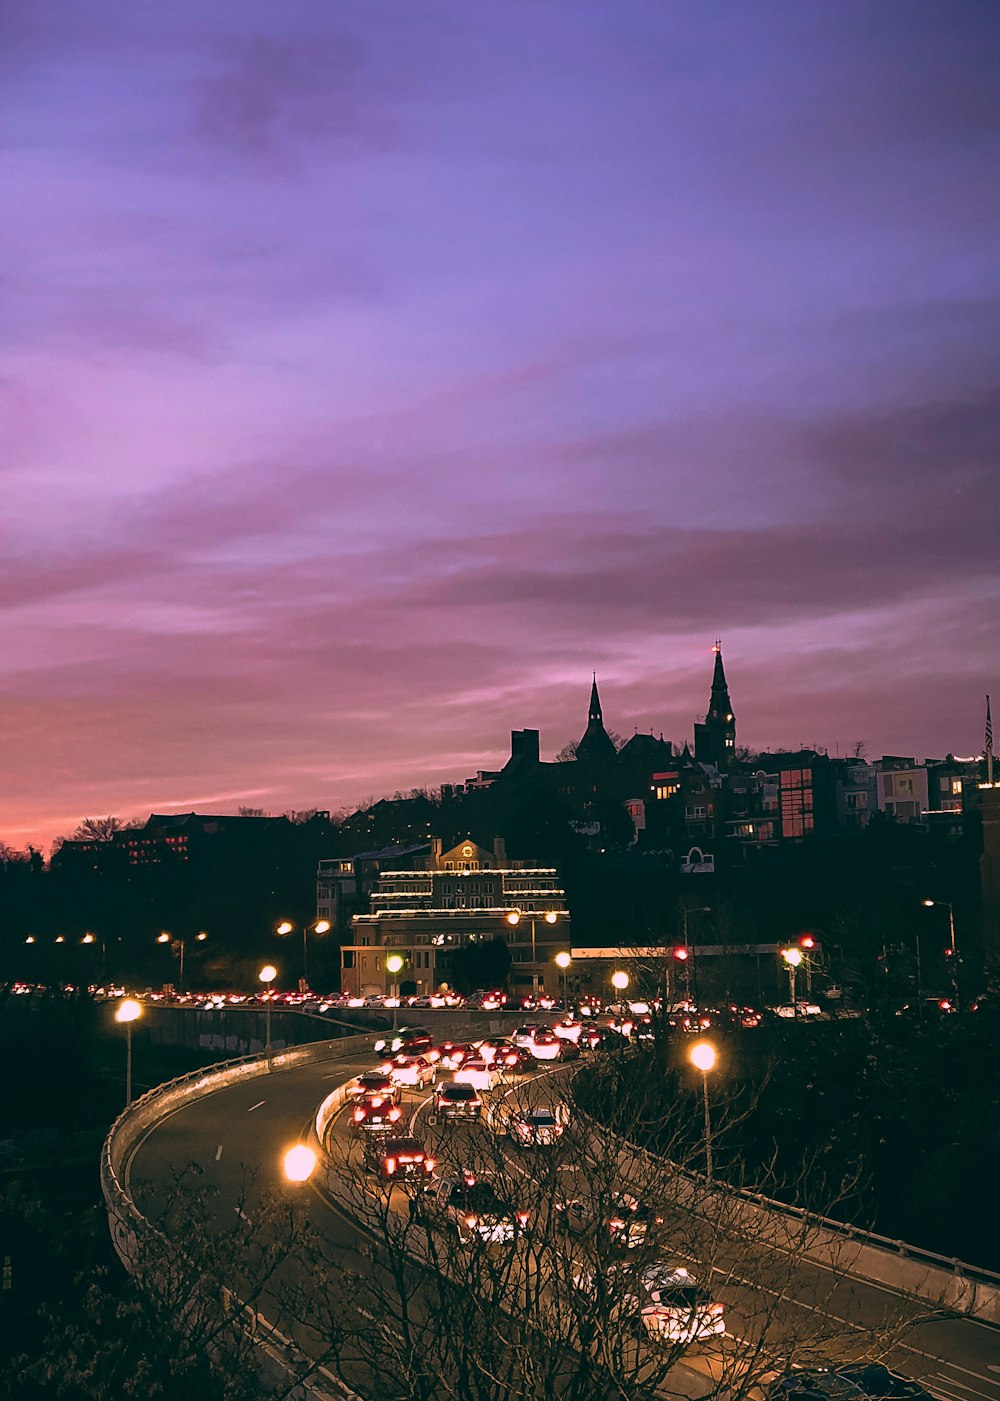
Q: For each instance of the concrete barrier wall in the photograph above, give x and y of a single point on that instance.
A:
(129, 1228)
(947, 1284)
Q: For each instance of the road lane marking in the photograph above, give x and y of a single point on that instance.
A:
(955, 1381)
(218, 1152)
(256, 1106)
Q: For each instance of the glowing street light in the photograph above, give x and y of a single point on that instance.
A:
(298, 1163)
(318, 926)
(128, 1011)
(703, 1056)
(562, 961)
(394, 965)
(619, 981)
(793, 958)
(267, 976)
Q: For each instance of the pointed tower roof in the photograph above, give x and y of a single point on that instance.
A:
(596, 746)
(720, 704)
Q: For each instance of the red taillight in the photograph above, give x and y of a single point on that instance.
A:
(390, 1165)
(429, 1165)
(471, 1220)
(716, 1310)
(522, 1218)
(395, 1114)
(359, 1114)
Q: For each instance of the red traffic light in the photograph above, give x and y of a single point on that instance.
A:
(681, 953)
(806, 941)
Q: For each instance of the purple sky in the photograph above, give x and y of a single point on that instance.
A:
(374, 370)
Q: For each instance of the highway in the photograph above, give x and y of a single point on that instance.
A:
(248, 1125)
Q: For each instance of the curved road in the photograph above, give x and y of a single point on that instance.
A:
(249, 1124)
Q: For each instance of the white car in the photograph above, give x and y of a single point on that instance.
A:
(538, 1127)
(476, 1072)
(671, 1306)
(414, 1071)
(524, 1036)
(568, 1030)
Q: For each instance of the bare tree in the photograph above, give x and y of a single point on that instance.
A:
(559, 1309)
(101, 829)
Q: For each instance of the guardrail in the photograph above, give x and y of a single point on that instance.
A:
(947, 1283)
(129, 1228)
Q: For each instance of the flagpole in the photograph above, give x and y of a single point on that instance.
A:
(989, 744)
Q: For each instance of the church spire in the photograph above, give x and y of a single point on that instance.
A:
(715, 740)
(595, 705)
(596, 746)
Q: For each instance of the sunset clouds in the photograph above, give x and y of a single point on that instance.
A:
(372, 373)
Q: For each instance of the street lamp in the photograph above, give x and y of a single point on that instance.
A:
(513, 919)
(562, 962)
(128, 1011)
(952, 950)
(267, 976)
(318, 926)
(394, 965)
(619, 981)
(177, 946)
(298, 1163)
(702, 1056)
(792, 957)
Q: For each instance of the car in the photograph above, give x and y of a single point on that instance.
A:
(415, 1071)
(514, 1061)
(545, 1045)
(663, 1299)
(451, 1054)
(474, 1208)
(373, 1082)
(456, 1100)
(621, 1221)
(591, 1037)
(861, 1381)
(568, 1030)
(408, 1040)
(375, 1114)
(538, 1127)
(399, 1159)
(490, 1047)
(523, 1036)
(478, 1073)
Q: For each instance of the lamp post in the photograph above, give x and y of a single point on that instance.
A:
(394, 965)
(952, 950)
(318, 926)
(686, 914)
(128, 1011)
(702, 1055)
(562, 962)
(792, 957)
(267, 976)
(177, 946)
(513, 919)
(619, 981)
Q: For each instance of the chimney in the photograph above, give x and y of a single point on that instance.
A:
(524, 746)
(500, 851)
